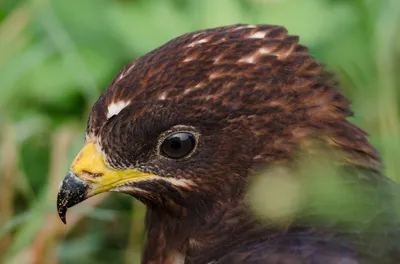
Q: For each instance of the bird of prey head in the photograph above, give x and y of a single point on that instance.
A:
(184, 127)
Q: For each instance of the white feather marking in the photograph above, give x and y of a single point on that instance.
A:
(258, 157)
(131, 67)
(258, 35)
(217, 59)
(179, 182)
(264, 51)
(127, 71)
(115, 108)
(121, 76)
(191, 89)
(194, 43)
(195, 35)
(246, 26)
(188, 90)
(163, 96)
(187, 59)
(248, 59)
(253, 58)
(214, 75)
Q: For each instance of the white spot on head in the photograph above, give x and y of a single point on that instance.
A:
(187, 59)
(249, 59)
(194, 43)
(258, 157)
(214, 75)
(258, 35)
(264, 51)
(180, 182)
(256, 55)
(115, 108)
(163, 96)
(191, 89)
(217, 59)
(188, 90)
(121, 76)
(246, 26)
(197, 34)
(127, 71)
(286, 54)
(131, 67)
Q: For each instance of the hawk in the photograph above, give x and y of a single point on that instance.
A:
(185, 129)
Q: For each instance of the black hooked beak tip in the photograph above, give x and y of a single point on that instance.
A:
(72, 191)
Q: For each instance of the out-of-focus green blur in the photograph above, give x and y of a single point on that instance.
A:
(57, 56)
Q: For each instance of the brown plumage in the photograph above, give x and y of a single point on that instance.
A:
(243, 98)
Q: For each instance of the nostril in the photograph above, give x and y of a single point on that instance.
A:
(91, 174)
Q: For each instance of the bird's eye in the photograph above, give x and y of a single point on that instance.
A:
(178, 145)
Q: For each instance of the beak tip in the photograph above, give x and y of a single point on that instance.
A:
(62, 212)
(72, 191)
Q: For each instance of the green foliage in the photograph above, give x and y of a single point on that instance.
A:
(57, 56)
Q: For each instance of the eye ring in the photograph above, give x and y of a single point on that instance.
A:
(178, 145)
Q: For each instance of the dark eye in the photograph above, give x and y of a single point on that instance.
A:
(178, 145)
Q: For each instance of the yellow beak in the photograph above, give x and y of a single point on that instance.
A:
(89, 175)
(89, 166)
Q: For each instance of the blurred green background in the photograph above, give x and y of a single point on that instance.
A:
(57, 56)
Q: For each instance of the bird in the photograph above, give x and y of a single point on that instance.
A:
(187, 127)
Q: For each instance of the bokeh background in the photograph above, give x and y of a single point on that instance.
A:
(57, 56)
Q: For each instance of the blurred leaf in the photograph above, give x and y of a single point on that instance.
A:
(35, 154)
(25, 234)
(15, 71)
(320, 191)
(14, 222)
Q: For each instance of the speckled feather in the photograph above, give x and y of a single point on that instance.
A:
(252, 84)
